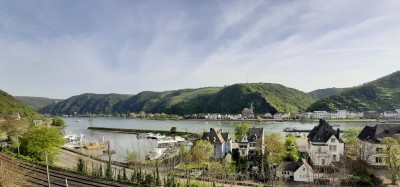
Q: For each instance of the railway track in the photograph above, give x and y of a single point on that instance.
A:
(37, 175)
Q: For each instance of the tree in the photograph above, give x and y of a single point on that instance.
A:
(351, 141)
(241, 130)
(131, 157)
(57, 121)
(142, 114)
(392, 153)
(38, 140)
(292, 153)
(201, 151)
(274, 149)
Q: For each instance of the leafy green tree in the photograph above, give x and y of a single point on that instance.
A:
(57, 121)
(274, 149)
(142, 114)
(81, 166)
(392, 153)
(131, 157)
(351, 141)
(292, 153)
(37, 140)
(241, 130)
(201, 151)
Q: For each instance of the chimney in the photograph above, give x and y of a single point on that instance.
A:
(338, 132)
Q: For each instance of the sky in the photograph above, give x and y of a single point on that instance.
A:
(57, 49)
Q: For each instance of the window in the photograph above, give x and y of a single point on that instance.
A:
(333, 140)
(379, 149)
(319, 149)
(332, 147)
(334, 158)
(304, 169)
(378, 160)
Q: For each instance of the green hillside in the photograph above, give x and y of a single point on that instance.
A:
(9, 105)
(324, 93)
(36, 102)
(232, 99)
(380, 95)
(85, 104)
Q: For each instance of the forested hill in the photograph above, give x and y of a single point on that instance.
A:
(36, 102)
(87, 103)
(265, 97)
(9, 105)
(379, 95)
(324, 93)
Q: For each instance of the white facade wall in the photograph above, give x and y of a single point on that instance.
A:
(371, 153)
(303, 174)
(286, 174)
(325, 153)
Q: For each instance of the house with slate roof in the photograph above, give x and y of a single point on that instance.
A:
(248, 144)
(325, 144)
(371, 137)
(298, 171)
(221, 141)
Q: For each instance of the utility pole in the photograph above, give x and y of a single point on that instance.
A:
(18, 144)
(47, 168)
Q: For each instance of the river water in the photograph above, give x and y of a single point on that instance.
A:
(123, 142)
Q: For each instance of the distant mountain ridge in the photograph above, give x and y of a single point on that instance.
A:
(326, 92)
(36, 102)
(265, 97)
(379, 95)
(88, 103)
(9, 105)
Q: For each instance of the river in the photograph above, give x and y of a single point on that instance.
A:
(123, 142)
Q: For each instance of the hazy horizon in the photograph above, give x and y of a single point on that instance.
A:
(58, 49)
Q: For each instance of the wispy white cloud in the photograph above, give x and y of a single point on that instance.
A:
(59, 49)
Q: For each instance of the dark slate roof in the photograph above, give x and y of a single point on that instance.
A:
(290, 166)
(254, 133)
(379, 131)
(215, 136)
(322, 132)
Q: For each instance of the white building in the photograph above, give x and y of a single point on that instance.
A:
(370, 138)
(390, 114)
(248, 144)
(301, 172)
(321, 115)
(325, 144)
(221, 141)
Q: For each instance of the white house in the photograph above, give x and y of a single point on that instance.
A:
(321, 115)
(221, 141)
(325, 144)
(248, 144)
(370, 145)
(301, 172)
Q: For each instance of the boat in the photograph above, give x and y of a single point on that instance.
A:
(78, 121)
(96, 144)
(155, 136)
(165, 147)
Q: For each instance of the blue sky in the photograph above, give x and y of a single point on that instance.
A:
(60, 48)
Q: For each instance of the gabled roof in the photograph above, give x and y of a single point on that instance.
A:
(216, 136)
(379, 131)
(290, 166)
(254, 133)
(304, 162)
(322, 132)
